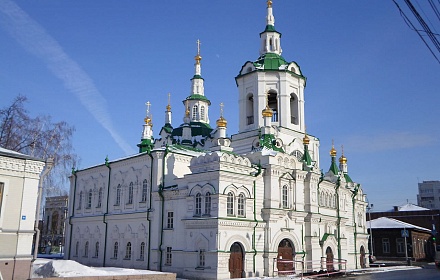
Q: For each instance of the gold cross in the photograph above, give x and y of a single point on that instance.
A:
(198, 46)
(148, 107)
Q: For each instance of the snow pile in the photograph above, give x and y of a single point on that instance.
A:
(67, 268)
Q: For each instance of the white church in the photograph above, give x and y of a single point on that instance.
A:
(206, 206)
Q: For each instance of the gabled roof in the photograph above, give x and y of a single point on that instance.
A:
(387, 223)
(411, 207)
(11, 153)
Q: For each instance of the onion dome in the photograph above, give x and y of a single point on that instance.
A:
(343, 159)
(306, 139)
(147, 121)
(267, 112)
(221, 122)
(333, 151)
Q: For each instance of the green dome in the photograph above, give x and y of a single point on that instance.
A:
(271, 61)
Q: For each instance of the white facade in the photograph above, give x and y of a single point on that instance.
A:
(19, 178)
(429, 194)
(205, 206)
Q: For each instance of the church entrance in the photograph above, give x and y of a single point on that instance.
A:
(362, 256)
(285, 257)
(329, 259)
(236, 261)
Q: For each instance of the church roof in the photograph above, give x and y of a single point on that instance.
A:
(271, 61)
(198, 97)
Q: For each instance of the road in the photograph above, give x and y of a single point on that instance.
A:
(427, 273)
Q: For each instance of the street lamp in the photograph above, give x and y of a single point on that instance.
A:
(46, 170)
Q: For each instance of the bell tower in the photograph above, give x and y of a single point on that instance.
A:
(271, 74)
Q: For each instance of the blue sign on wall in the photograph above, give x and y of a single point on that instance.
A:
(23, 217)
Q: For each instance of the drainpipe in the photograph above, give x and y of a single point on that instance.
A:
(320, 181)
(161, 188)
(104, 217)
(255, 216)
(149, 211)
(338, 184)
(353, 198)
(73, 214)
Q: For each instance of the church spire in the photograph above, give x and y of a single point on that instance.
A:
(270, 38)
(147, 132)
(197, 80)
(168, 111)
(333, 167)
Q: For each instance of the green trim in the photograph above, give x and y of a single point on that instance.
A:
(307, 159)
(168, 128)
(325, 236)
(347, 178)
(334, 167)
(198, 97)
(146, 145)
(197, 77)
(268, 141)
(270, 28)
(271, 61)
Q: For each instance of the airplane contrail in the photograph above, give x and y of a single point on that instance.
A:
(34, 39)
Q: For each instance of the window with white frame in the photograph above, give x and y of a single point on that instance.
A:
(208, 204)
(169, 256)
(400, 245)
(198, 204)
(241, 203)
(170, 219)
(118, 195)
(99, 198)
(230, 204)
(130, 194)
(142, 251)
(144, 190)
(128, 251)
(202, 113)
(285, 197)
(115, 250)
(386, 245)
(202, 257)
(195, 112)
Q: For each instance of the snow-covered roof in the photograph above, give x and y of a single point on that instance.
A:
(16, 154)
(385, 223)
(411, 207)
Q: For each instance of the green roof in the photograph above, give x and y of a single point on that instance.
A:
(307, 159)
(146, 145)
(271, 61)
(168, 128)
(197, 77)
(333, 167)
(198, 97)
(197, 128)
(270, 28)
(269, 141)
(347, 178)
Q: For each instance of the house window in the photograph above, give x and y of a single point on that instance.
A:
(198, 204)
(386, 245)
(195, 112)
(241, 205)
(130, 193)
(115, 250)
(400, 244)
(170, 220)
(230, 204)
(2, 189)
(76, 248)
(284, 198)
(208, 204)
(118, 195)
(169, 256)
(99, 198)
(202, 257)
(96, 249)
(89, 199)
(144, 190)
(86, 249)
(142, 251)
(128, 251)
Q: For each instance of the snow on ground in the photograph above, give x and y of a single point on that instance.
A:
(43, 268)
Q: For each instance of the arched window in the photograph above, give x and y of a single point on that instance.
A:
(86, 249)
(195, 113)
(294, 109)
(207, 203)
(285, 197)
(198, 204)
(128, 251)
(144, 190)
(115, 250)
(130, 193)
(99, 198)
(118, 195)
(202, 113)
(76, 248)
(80, 200)
(241, 205)
(250, 109)
(230, 204)
(89, 199)
(96, 249)
(142, 251)
(273, 104)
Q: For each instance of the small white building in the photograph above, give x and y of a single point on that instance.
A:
(205, 206)
(19, 178)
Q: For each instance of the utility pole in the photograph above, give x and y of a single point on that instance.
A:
(369, 207)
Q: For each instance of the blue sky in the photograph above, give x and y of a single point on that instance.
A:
(372, 85)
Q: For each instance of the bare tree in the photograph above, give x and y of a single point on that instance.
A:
(39, 137)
